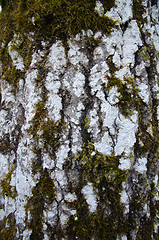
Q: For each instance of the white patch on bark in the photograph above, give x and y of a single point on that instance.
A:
(90, 197)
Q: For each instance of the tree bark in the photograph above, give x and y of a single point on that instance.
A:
(79, 120)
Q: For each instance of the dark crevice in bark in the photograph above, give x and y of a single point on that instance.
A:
(89, 101)
(124, 26)
(152, 80)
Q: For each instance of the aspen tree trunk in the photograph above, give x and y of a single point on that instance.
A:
(79, 139)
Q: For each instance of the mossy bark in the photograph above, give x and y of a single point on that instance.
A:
(79, 120)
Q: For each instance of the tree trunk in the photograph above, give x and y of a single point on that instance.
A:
(79, 120)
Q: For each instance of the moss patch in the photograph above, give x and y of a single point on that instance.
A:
(9, 71)
(6, 188)
(128, 99)
(138, 11)
(98, 167)
(45, 131)
(55, 18)
(43, 194)
(108, 220)
(28, 23)
(8, 228)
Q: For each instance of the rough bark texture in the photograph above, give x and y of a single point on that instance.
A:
(79, 120)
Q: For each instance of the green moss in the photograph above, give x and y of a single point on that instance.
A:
(130, 101)
(98, 225)
(39, 116)
(9, 71)
(108, 220)
(128, 98)
(87, 123)
(98, 167)
(6, 188)
(51, 135)
(138, 11)
(28, 23)
(24, 48)
(80, 225)
(111, 65)
(144, 142)
(108, 4)
(43, 194)
(46, 130)
(8, 228)
(144, 54)
(5, 144)
(145, 226)
(46, 133)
